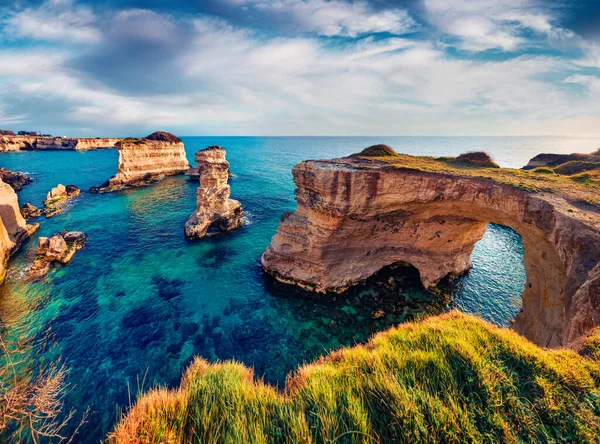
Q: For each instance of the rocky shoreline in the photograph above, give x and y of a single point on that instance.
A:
(16, 180)
(14, 231)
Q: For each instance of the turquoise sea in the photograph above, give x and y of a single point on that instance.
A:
(139, 301)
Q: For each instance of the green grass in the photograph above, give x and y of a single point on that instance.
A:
(450, 378)
(574, 188)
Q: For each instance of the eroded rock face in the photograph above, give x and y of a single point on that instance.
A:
(49, 143)
(143, 161)
(355, 217)
(16, 180)
(16, 143)
(57, 198)
(13, 228)
(215, 210)
(59, 248)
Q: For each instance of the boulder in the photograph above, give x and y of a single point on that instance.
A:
(28, 211)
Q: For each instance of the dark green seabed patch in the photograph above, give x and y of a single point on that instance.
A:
(139, 301)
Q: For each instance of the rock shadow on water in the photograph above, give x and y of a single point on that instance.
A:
(392, 295)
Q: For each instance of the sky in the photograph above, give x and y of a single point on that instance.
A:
(300, 67)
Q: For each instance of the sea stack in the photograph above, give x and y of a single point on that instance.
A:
(13, 228)
(147, 160)
(215, 210)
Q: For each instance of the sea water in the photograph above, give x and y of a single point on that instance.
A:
(139, 301)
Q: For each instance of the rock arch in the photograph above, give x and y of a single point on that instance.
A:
(354, 217)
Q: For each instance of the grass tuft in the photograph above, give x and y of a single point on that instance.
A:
(378, 151)
(450, 378)
(478, 159)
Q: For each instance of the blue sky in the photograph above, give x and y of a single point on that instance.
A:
(301, 67)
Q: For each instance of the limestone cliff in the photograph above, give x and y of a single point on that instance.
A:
(27, 143)
(16, 143)
(13, 228)
(215, 211)
(142, 161)
(355, 216)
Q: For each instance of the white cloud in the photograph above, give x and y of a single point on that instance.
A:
(241, 81)
(592, 83)
(55, 20)
(591, 55)
(490, 24)
(336, 17)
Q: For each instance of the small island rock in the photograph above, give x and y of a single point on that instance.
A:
(57, 198)
(215, 210)
(60, 248)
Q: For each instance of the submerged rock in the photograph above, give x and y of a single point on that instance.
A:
(28, 211)
(60, 248)
(57, 198)
(13, 228)
(16, 180)
(147, 160)
(215, 210)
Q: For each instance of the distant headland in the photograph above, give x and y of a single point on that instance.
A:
(33, 140)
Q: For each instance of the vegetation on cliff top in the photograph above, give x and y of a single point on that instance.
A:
(450, 378)
(163, 136)
(377, 151)
(477, 158)
(577, 188)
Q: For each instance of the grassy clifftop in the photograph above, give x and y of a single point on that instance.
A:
(575, 181)
(451, 378)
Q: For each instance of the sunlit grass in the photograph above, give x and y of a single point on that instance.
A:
(582, 187)
(450, 378)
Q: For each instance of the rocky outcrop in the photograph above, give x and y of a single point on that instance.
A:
(28, 211)
(355, 216)
(58, 197)
(16, 180)
(215, 210)
(41, 143)
(16, 143)
(143, 161)
(556, 160)
(59, 248)
(13, 228)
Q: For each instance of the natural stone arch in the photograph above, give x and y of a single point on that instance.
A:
(354, 217)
